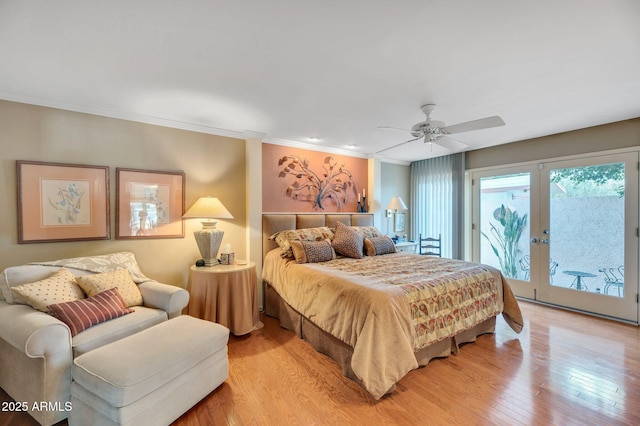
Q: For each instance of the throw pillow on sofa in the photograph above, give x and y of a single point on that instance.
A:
(82, 314)
(59, 287)
(120, 278)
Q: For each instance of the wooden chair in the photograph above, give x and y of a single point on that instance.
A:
(430, 246)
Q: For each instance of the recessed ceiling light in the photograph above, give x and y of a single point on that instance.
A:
(352, 146)
(314, 139)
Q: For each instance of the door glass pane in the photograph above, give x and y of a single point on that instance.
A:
(504, 227)
(586, 221)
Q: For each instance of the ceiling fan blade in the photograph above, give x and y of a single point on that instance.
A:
(482, 123)
(451, 143)
(393, 128)
(395, 146)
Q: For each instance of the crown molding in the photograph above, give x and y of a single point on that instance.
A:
(129, 116)
(313, 147)
(159, 121)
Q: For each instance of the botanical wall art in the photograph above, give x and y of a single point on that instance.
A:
(149, 204)
(297, 180)
(62, 202)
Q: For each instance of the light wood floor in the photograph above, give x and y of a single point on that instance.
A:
(564, 368)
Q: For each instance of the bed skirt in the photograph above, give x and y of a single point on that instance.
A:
(327, 344)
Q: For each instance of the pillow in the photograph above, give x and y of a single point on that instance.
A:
(379, 245)
(284, 238)
(58, 287)
(347, 241)
(120, 278)
(312, 251)
(368, 231)
(82, 314)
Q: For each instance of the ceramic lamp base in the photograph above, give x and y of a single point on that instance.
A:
(209, 239)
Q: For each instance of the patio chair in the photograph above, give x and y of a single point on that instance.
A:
(613, 277)
(524, 265)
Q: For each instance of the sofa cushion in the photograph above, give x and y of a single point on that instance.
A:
(120, 278)
(82, 314)
(59, 287)
(111, 331)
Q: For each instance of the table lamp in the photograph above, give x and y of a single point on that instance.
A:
(209, 237)
(394, 205)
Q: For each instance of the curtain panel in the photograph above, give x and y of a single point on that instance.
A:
(437, 201)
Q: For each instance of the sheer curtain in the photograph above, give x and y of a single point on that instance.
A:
(437, 197)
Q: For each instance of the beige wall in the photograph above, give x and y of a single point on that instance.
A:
(623, 134)
(213, 165)
(394, 182)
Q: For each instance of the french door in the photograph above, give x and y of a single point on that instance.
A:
(564, 232)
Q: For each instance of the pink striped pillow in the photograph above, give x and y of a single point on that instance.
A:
(82, 314)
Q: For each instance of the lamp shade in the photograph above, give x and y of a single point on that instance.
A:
(207, 208)
(209, 237)
(396, 203)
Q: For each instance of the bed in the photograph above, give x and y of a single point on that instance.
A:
(380, 315)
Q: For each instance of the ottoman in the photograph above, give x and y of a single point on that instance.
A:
(151, 377)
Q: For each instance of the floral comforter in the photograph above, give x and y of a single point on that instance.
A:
(388, 307)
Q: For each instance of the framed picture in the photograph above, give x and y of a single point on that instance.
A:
(62, 202)
(149, 204)
(399, 225)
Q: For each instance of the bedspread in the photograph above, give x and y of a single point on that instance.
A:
(387, 307)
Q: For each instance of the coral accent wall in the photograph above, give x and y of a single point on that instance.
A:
(301, 180)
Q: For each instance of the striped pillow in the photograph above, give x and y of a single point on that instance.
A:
(82, 314)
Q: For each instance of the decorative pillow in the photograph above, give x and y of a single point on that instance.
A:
(313, 251)
(82, 314)
(379, 245)
(59, 287)
(284, 238)
(347, 241)
(367, 231)
(120, 278)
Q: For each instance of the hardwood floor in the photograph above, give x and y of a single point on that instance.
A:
(564, 368)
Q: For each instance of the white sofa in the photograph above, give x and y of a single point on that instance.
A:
(37, 349)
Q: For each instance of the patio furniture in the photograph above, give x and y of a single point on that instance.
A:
(579, 276)
(524, 266)
(613, 277)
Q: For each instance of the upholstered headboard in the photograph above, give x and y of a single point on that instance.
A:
(275, 222)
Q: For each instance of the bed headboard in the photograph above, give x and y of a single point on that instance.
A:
(275, 222)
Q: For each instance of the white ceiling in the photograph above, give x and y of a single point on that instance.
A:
(293, 69)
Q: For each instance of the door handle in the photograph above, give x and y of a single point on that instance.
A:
(534, 240)
(544, 241)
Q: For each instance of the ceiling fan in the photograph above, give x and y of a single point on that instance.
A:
(432, 130)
